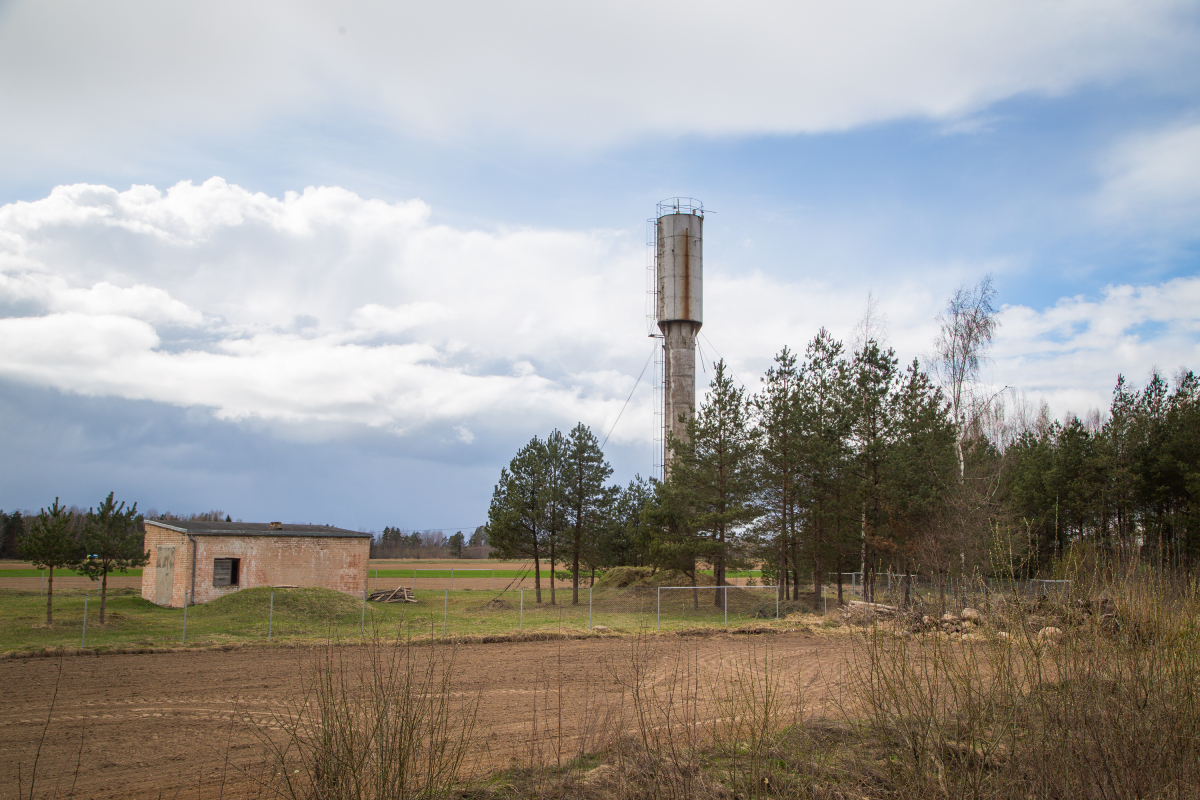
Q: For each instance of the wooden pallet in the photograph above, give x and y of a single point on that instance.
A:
(401, 594)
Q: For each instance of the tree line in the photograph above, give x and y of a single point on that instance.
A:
(844, 461)
(1129, 484)
(396, 543)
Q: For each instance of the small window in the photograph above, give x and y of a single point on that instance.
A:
(225, 571)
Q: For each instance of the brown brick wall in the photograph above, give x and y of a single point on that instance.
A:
(333, 563)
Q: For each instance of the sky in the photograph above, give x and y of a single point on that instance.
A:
(335, 262)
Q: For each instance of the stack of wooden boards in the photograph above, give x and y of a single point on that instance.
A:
(400, 594)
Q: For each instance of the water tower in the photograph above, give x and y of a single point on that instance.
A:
(678, 309)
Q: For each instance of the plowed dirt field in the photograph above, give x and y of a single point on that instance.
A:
(179, 724)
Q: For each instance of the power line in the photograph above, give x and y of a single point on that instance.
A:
(718, 352)
(631, 391)
(703, 358)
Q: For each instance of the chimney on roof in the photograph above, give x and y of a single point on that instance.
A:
(276, 526)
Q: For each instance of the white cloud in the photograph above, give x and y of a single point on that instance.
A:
(138, 301)
(317, 307)
(559, 73)
(1155, 177)
(1071, 353)
(328, 310)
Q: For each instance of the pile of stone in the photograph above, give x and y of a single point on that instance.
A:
(966, 624)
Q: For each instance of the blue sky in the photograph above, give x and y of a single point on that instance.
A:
(335, 262)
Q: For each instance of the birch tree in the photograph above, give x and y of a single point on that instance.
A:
(966, 330)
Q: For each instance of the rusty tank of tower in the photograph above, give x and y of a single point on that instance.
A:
(679, 310)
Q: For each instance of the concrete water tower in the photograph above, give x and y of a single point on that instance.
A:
(679, 308)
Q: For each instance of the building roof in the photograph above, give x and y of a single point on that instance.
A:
(257, 529)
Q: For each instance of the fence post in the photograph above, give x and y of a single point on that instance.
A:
(825, 599)
(271, 617)
(659, 612)
(43, 583)
(185, 606)
(777, 605)
(83, 639)
(589, 608)
(521, 624)
(725, 602)
(446, 608)
(362, 625)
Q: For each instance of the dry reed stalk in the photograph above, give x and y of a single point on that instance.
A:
(379, 721)
(1106, 707)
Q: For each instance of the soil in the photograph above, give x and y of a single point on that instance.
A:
(180, 723)
(75, 582)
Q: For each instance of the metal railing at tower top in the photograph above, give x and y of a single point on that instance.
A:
(680, 205)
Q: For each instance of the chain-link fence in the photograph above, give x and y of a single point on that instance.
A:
(273, 615)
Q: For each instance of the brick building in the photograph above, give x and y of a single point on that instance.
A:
(206, 560)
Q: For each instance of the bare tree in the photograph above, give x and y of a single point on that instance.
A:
(967, 328)
(872, 326)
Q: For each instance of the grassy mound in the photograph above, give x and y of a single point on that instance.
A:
(310, 604)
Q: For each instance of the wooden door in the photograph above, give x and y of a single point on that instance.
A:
(164, 576)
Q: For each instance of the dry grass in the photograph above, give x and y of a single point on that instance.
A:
(1092, 696)
(377, 722)
(1108, 708)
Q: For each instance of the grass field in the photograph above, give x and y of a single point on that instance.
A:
(30, 572)
(309, 614)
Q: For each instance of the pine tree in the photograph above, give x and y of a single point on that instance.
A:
(675, 543)
(712, 480)
(517, 515)
(479, 537)
(626, 536)
(555, 506)
(873, 376)
(920, 473)
(113, 540)
(585, 497)
(823, 424)
(778, 478)
(51, 544)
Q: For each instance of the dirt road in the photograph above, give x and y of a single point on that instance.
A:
(175, 724)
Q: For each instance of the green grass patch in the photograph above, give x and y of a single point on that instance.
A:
(317, 614)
